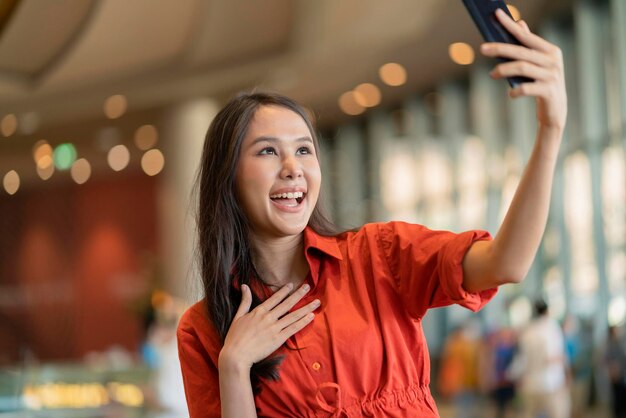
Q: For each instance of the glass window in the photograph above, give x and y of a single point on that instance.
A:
(578, 218)
(400, 181)
(472, 184)
(435, 174)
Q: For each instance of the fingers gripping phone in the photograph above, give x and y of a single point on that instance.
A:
(483, 13)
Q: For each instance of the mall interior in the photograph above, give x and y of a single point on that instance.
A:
(104, 107)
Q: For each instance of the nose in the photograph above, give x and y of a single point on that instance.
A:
(291, 169)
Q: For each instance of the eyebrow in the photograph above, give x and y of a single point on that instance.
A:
(274, 139)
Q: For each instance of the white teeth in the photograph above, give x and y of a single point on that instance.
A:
(294, 195)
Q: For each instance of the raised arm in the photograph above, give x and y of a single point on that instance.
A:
(509, 256)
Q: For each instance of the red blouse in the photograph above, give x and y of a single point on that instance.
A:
(365, 353)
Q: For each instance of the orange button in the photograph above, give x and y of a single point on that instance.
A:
(316, 366)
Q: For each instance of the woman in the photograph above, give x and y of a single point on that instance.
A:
(299, 320)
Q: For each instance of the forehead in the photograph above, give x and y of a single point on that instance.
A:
(277, 122)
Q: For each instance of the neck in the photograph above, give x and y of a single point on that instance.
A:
(280, 260)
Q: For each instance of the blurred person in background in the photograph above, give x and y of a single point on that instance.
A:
(502, 349)
(160, 353)
(458, 378)
(579, 358)
(541, 366)
(301, 320)
(615, 361)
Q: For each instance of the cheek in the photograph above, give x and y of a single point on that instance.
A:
(253, 180)
(247, 173)
(315, 178)
(245, 185)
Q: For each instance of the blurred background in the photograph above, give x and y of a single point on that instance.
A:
(103, 109)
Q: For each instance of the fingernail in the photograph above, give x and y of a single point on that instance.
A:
(485, 47)
(316, 302)
(289, 285)
(306, 287)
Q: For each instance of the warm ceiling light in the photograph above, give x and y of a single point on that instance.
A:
(11, 182)
(42, 153)
(81, 171)
(146, 137)
(367, 95)
(115, 106)
(514, 12)
(118, 157)
(45, 161)
(45, 172)
(348, 104)
(152, 162)
(392, 74)
(8, 126)
(461, 53)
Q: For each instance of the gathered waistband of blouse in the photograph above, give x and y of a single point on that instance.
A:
(388, 400)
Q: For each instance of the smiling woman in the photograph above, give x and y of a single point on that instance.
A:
(277, 161)
(299, 319)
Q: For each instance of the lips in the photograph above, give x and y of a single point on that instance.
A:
(288, 200)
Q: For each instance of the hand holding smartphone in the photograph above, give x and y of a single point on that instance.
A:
(483, 14)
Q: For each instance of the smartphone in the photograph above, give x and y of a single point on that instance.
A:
(483, 13)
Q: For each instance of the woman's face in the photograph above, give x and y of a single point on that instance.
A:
(278, 175)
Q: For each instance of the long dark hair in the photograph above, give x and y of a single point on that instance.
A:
(225, 253)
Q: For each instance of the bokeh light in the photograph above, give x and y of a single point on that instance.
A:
(367, 95)
(42, 153)
(461, 53)
(349, 105)
(64, 156)
(11, 182)
(81, 171)
(118, 157)
(115, 106)
(392, 74)
(8, 125)
(146, 137)
(45, 172)
(152, 162)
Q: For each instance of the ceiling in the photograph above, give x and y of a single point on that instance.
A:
(61, 59)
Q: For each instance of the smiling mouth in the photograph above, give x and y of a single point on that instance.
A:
(288, 199)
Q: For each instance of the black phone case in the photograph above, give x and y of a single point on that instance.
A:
(483, 14)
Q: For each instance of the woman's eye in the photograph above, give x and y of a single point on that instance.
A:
(304, 150)
(267, 151)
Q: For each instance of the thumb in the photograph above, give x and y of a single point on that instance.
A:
(246, 301)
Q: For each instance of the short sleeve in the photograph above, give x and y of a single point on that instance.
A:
(197, 351)
(427, 266)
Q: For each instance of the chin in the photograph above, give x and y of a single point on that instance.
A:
(290, 230)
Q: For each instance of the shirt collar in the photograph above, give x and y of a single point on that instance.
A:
(321, 245)
(327, 245)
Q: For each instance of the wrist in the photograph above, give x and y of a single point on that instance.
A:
(232, 365)
(549, 139)
(554, 132)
